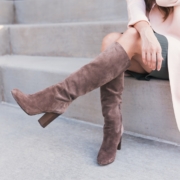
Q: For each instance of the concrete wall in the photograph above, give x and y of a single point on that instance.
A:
(7, 12)
(57, 11)
(64, 39)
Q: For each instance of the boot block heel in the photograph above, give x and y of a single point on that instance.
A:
(119, 145)
(47, 118)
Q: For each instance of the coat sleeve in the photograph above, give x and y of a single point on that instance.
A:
(168, 3)
(136, 12)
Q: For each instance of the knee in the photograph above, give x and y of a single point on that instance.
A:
(131, 33)
(130, 37)
(109, 39)
(130, 41)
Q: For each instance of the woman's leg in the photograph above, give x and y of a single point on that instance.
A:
(110, 95)
(104, 68)
(111, 100)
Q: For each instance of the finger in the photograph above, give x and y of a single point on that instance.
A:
(149, 59)
(159, 60)
(153, 61)
(144, 57)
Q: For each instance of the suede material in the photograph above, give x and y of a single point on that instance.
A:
(105, 71)
(56, 98)
(41, 102)
(111, 99)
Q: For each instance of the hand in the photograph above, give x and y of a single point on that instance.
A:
(151, 49)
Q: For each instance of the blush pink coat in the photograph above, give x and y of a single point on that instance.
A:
(170, 28)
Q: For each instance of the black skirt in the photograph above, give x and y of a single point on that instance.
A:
(163, 73)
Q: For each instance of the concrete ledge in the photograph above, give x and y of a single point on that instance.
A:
(146, 108)
(33, 11)
(4, 40)
(7, 12)
(65, 39)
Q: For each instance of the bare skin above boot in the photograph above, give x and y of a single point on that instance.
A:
(54, 100)
(111, 100)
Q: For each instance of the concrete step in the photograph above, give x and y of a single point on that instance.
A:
(147, 107)
(4, 40)
(7, 13)
(67, 149)
(57, 11)
(64, 39)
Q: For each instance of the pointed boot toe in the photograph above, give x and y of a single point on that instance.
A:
(23, 101)
(105, 158)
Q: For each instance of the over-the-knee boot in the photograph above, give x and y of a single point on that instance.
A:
(111, 99)
(55, 99)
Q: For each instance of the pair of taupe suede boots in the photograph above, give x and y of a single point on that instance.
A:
(105, 71)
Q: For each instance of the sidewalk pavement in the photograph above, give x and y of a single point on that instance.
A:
(67, 150)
